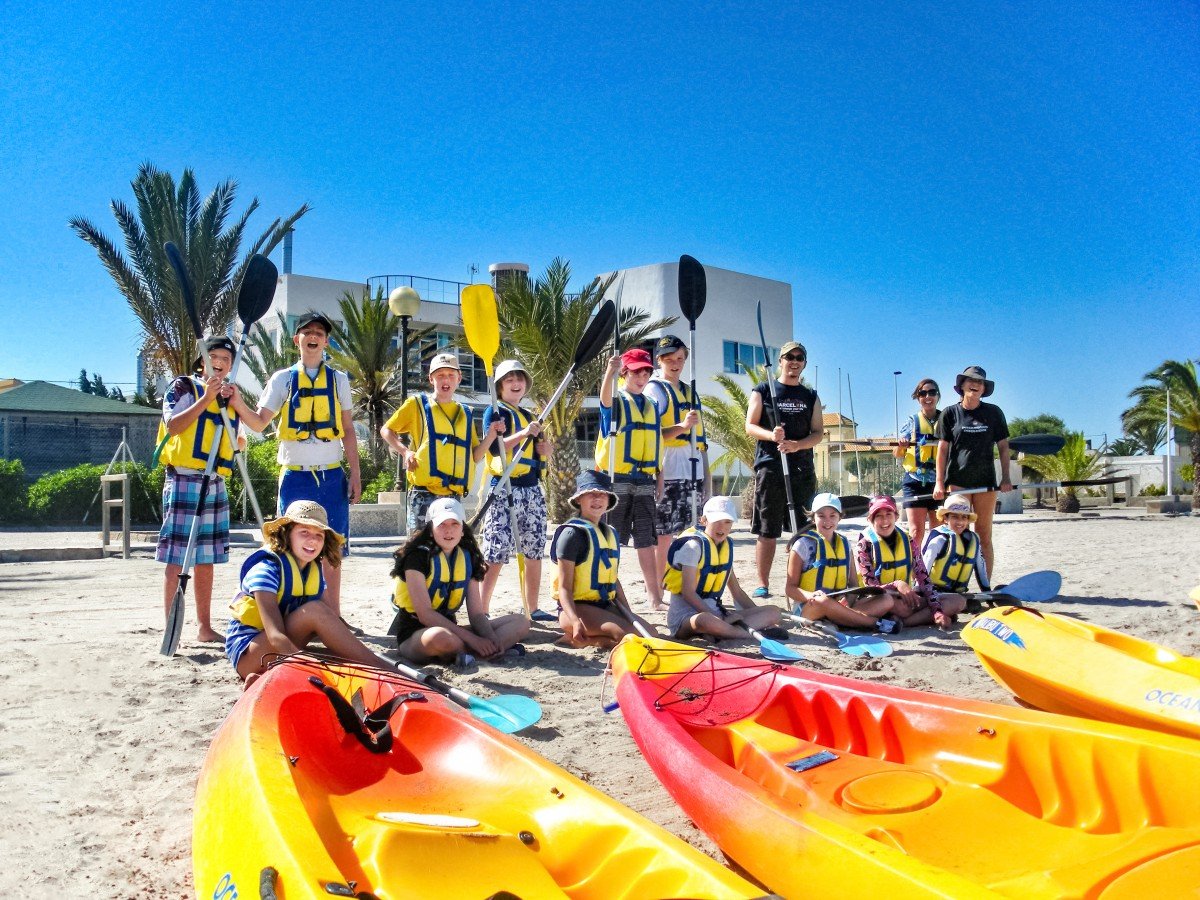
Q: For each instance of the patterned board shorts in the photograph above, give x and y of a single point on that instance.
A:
(529, 507)
(180, 495)
(674, 512)
(635, 514)
(419, 501)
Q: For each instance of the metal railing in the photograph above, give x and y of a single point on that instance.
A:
(432, 290)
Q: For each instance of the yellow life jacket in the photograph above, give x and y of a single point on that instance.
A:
(530, 461)
(596, 575)
(638, 438)
(830, 569)
(716, 562)
(679, 403)
(446, 582)
(891, 564)
(444, 454)
(952, 569)
(312, 408)
(920, 458)
(189, 449)
(296, 586)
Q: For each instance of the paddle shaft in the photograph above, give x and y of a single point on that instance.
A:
(783, 457)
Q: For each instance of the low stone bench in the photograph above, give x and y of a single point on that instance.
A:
(376, 520)
(1169, 505)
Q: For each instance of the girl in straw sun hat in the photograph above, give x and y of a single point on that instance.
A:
(273, 612)
(952, 551)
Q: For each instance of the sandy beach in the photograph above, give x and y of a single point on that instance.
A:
(104, 738)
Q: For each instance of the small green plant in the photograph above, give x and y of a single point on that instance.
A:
(1153, 490)
(1188, 473)
(14, 494)
(381, 482)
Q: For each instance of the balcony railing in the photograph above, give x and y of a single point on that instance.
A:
(433, 290)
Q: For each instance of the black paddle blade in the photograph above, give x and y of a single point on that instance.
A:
(693, 289)
(1037, 444)
(257, 290)
(596, 335)
(175, 258)
(762, 337)
(854, 505)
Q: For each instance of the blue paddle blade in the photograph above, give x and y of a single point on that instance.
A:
(863, 645)
(1036, 587)
(775, 651)
(506, 712)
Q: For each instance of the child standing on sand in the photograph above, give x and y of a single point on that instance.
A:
(272, 611)
(497, 540)
(819, 563)
(593, 610)
(437, 572)
(700, 567)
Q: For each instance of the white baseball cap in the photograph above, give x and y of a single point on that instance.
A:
(717, 509)
(444, 361)
(509, 366)
(445, 508)
(825, 499)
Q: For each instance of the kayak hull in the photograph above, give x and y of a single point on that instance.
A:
(1063, 665)
(820, 786)
(287, 797)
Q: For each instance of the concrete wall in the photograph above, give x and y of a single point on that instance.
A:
(1146, 471)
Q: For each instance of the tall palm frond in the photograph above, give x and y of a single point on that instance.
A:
(166, 211)
(1150, 409)
(1074, 462)
(725, 421)
(541, 323)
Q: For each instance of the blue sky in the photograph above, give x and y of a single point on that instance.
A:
(1009, 184)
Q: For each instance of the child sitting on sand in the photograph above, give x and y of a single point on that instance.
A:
(952, 551)
(699, 567)
(437, 572)
(592, 607)
(819, 563)
(272, 612)
(885, 558)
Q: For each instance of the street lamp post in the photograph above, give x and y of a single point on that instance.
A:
(1170, 486)
(404, 302)
(896, 391)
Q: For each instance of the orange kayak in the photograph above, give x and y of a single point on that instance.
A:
(290, 799)
(1063, 665)
(821, 786)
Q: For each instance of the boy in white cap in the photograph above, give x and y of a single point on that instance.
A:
(699, 568)
(316, 433)
(442, 441)
(497, 540)
(437, 573)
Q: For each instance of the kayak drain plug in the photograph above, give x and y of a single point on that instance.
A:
(526, 837)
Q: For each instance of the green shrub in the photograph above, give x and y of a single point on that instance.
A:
(62, 498)
(381, 482)
(264, 474)
(14, 493)
(1188, 473)
(1153, 490)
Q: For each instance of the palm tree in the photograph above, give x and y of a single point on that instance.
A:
(1151, 406)
(725, 425)
(1074, 462)
(542, 324)
(1125, 445)
(364, 347)
(267, 353)
(169, 212)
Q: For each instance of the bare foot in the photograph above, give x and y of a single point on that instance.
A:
(208, 636)
(250, 679)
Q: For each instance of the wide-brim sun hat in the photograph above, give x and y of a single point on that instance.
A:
(958, 505)
(720, 509)
(826, 499)
(301, 512)
(975, 373)
(589, 482)
(879, 503)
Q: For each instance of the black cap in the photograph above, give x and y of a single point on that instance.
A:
(668, 343)
(211, 343)
(307, 318)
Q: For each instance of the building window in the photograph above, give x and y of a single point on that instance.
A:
(474, 375)
(750, 355)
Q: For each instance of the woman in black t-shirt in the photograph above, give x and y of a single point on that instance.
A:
(966, 433)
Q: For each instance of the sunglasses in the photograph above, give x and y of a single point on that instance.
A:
(929, 393)
(792, 357)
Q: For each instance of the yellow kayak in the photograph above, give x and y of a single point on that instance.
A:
(828, 787)
(1066, 666)
(291, 803)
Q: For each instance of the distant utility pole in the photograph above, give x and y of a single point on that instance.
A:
(473, 270)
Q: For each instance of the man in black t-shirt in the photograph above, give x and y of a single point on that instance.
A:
(794, 428)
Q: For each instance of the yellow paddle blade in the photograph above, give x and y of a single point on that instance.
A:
(481, 322)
